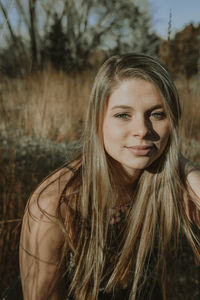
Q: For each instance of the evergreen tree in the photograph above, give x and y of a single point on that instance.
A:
(55, 44)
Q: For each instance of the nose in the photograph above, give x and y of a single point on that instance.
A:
(139, 127)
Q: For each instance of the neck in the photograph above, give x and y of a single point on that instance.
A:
(132, 178)
(124, 182)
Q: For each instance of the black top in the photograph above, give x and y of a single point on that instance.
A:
(151, 289)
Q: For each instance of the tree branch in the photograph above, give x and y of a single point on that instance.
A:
(8, 22)
(32, 30)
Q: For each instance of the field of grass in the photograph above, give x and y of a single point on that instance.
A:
(40, 115)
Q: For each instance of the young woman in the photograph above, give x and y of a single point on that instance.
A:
(104, 225)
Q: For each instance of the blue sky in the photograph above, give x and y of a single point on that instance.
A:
(183, 12)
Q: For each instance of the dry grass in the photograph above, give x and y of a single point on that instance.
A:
(11, 209)
(189, 92)
(52, 105)
(46, 105)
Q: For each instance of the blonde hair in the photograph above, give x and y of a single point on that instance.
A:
(157, 216)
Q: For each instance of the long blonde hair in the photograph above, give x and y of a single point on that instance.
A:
(157, 217)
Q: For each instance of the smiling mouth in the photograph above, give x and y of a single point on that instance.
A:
(140, 150)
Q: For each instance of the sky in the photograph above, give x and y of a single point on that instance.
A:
(183, 13)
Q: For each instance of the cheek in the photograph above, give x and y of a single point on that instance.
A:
(164, 133)
(106, 134)
(111, 132)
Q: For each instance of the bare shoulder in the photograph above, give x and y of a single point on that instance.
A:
(40, 219)
(192, 174)
(42, 238)
(46, 197)
(193, 178)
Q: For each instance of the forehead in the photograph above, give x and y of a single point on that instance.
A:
(135, 92)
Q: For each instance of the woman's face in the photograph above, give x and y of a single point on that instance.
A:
(135, 127)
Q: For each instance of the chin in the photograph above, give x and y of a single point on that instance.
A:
(141, 164)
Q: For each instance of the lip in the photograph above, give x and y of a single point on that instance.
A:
(140, 150)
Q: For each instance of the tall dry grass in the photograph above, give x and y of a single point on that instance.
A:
(11, 210)
(46, 105)
(51, 105)
(189, 92)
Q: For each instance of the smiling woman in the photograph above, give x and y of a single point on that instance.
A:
(104, 225)
(135, 128)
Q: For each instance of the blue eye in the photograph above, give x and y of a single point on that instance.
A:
(158, 115)
(123, 116)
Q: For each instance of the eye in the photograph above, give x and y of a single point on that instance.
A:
(158, 115)
(123, 116)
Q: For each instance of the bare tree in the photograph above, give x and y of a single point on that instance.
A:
(18, 54)
(119, 26)
(87, 25)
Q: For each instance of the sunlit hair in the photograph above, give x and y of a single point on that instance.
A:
(157, 217)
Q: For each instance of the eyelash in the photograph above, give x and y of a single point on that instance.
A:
(156, 116)
(123, 116)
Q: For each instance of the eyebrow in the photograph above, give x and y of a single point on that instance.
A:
(130, 107)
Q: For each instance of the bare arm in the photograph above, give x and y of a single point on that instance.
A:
(40, 247)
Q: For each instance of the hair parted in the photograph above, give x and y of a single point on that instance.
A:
(156, 219)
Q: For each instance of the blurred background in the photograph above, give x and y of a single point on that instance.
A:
(50, 52)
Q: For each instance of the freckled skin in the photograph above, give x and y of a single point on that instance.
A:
(142, 122)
